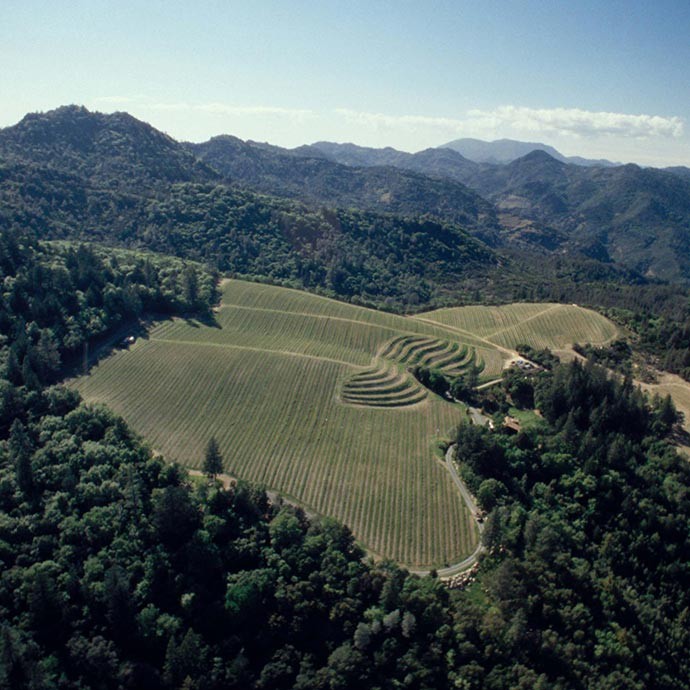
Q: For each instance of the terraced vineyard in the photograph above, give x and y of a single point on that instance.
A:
(389, 385)
(382, 387)
(312, 398)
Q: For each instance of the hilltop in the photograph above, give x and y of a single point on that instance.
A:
(116, 149)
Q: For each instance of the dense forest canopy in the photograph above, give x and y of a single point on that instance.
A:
(56, 298)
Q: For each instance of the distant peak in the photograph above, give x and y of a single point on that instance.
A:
(70, 108)
(501, 151)
(538, 155)
(226, 138)
(61, 112)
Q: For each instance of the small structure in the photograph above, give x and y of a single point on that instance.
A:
(512, 424)
(526, 365)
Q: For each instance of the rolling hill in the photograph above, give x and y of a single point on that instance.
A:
(312, 397)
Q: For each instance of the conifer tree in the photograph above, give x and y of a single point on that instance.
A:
(213, 460)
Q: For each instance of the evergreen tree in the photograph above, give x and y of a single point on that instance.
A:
(20, 449)
(213, 460)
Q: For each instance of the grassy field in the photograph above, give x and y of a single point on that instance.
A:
(678, 389)
(312, 398)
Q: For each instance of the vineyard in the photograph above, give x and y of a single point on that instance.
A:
(390, 385)
(555, 326)
(313, 398)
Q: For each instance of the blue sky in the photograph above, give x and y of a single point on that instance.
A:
(602, 79)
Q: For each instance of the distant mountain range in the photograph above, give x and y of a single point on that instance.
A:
(311, 175)
(508, 150)
(637, 218)
(70, 172)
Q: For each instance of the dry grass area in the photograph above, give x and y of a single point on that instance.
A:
(679, 390)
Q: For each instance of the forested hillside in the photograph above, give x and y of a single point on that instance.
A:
(116, 150)
(624, 215)
(70, 173)
(313, 178)
(118, 181)
(57, 298)
(118, 572)
(114, 572)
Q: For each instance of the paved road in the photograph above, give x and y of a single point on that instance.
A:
(466, 563)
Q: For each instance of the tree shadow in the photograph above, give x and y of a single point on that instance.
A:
(208, 319)
(681, 436)
(122, 338)
(103, 346)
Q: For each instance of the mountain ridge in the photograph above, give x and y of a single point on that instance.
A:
(320, 179)
(635, 219)
(71, 174)
(506, 150)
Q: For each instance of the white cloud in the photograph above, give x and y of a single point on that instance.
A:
(409, 123)
(516, 120)
(577, 122)
(506, 120)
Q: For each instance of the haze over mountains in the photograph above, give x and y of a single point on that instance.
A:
(70, 171)
(508, 150)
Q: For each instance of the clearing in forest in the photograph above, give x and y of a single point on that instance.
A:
(312, 398)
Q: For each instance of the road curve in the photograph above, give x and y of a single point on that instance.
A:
(443, 573)
(466, 563)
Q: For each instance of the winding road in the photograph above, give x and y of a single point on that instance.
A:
(466, 563)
